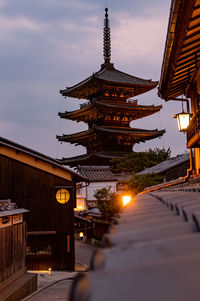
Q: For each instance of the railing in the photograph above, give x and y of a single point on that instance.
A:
(83, 105)
(194, 126)
(132, 101)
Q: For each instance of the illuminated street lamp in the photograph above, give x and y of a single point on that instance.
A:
(126, 200)
(81, 234)
(183, 120)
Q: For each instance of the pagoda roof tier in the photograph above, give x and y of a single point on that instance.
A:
(97, 158)
(133, 134)
(106, 78)
(96, 109)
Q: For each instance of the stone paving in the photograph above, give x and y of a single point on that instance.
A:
(56, 286)
(58, 290)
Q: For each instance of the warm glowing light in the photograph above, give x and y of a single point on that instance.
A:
(62, 196)
(80, 204)
(81, 234)
(49, 271)
(79, 208)
(183, 120)
(126, 199)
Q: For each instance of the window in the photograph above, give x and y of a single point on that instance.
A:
(116, 118)
(62, 196)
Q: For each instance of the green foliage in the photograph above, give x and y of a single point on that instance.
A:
(107, 202)
(139, 182)
(138, 161)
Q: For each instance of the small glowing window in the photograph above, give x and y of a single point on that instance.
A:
(125, 119)
(62, 196)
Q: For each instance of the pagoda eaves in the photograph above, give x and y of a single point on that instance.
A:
(132, 135)
(109, 79)
(95, 158)
(98, 109)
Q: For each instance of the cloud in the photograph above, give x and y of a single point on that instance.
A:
(8, 127)
(19, 23)
(50, 44)
(138, 38)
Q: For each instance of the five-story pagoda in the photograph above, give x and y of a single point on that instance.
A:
(108, 112)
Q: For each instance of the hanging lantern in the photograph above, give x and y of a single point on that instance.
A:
(183, 120)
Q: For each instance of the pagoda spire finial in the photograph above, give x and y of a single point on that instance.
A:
(106, 39)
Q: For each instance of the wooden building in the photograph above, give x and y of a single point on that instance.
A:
(15, 282)
(180, 75)
(108, 112)
(47, 189)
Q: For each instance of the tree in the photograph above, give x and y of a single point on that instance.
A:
(138, 161)
(139, 182)
(107, 202)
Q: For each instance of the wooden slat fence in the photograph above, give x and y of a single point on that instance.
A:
(12, 250)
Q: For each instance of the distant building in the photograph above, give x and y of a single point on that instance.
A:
(98, 177)
(170, 169)
(109, 110)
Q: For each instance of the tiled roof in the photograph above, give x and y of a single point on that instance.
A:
(117, 76)
(166, 165)
(114, 75)
(97, 173)
(97, 108)
(136, 134)
(153, 253)
(108, 75)
(91, 159)
(13, 212)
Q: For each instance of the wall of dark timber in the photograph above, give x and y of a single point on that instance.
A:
(12, 250)
(34, 189)
(178, 171)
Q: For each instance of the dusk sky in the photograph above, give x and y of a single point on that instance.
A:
(46, 45)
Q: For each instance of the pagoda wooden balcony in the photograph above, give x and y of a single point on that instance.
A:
(132, 101)
(193, 131)
(85, 104)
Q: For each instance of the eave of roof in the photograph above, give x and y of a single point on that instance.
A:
(75, 161)
(125, 131)
(98, 107)
(110, 76)
(18, 148)
(13, 212)
(182, 43)
(166, 165)
(97, 173)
